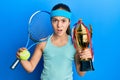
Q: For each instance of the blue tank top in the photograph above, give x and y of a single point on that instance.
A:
(58, 61)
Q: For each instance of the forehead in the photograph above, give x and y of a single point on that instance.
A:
(59, 18)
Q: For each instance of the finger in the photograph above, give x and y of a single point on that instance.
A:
(18, 55)
(85, 56)
(21, 49)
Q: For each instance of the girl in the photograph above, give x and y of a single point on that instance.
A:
(58, 51)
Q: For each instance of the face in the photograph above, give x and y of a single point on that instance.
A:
(60, 25)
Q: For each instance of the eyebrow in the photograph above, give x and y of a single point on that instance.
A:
(58, 19)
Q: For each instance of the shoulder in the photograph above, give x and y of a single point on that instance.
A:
(70, 38)
(41, 45)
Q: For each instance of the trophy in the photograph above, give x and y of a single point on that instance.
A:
(82, 40)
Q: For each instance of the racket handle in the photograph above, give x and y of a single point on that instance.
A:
(15, 64)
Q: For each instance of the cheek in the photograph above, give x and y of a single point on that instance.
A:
(67, 24)
(53, 26)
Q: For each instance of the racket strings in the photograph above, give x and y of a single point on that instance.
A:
(39, 26)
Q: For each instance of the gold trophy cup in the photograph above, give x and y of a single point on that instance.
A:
(82, 40)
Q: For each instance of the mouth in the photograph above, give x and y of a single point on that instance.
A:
(59, 30)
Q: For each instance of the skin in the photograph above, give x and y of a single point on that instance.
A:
(59, 38)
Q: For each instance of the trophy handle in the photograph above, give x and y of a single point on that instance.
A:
(91, 31)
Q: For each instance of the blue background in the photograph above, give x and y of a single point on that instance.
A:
(104, 15)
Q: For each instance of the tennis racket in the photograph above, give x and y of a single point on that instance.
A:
(39, 28)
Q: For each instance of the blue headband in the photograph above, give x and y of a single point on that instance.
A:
(62, 13)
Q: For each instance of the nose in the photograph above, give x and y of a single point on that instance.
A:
(59, 24)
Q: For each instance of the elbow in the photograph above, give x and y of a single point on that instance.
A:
(30, 70)
(81, 73)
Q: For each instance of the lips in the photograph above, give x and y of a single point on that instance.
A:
(59, 30)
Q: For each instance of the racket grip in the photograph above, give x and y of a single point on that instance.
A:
(15, 64)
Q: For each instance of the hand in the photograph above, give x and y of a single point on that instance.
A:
(85, 54)
(19, 52)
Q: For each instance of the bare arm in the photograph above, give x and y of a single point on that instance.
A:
(30, 65)
(81, 73)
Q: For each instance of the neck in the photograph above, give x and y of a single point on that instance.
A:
(59, 40)
(60, 37)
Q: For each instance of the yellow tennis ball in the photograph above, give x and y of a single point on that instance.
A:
(24, 55)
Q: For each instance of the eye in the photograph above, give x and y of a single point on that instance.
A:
(63, 20)
(54, 20)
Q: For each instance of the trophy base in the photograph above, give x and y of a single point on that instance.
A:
(86, 65)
